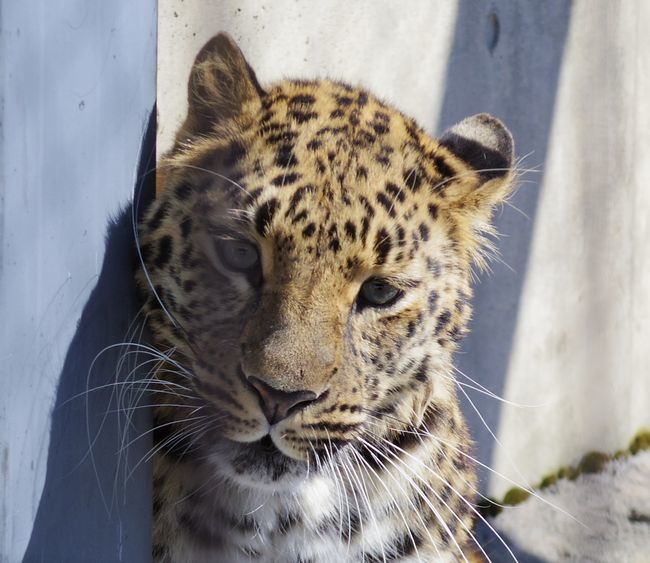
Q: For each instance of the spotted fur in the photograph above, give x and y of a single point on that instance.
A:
(332, 187)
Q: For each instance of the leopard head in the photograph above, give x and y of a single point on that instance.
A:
(307, 267)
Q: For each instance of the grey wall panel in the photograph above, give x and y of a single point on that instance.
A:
(78, 85)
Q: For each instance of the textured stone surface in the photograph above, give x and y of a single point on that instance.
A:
(598, 517)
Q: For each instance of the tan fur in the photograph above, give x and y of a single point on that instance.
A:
(333, 187)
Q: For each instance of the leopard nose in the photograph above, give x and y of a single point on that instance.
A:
(276, 404)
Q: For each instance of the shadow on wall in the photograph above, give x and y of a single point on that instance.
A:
(505, 59)
(89, 510)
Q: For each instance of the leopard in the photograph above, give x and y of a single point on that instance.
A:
(307, 267)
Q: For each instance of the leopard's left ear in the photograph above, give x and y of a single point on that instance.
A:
(483, 143)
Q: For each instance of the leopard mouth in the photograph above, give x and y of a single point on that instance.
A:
(261, 463)
(266, 448)
(263, 453)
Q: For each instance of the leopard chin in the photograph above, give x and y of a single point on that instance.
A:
(260, 465)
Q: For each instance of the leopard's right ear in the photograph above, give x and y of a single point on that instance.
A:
(221, 84)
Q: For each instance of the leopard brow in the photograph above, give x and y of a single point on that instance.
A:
(228, 233)
(402, 283)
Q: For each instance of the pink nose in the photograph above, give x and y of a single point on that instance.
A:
(276, 404)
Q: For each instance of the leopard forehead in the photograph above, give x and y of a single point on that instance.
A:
(324, 170)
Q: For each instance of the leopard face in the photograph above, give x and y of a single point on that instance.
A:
(307, 267)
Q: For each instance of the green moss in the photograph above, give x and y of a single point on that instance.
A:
(567, 472)
(593, 462)
(515, 496)
(548, 481)
(640, 442)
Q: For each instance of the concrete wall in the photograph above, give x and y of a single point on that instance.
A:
(580, 348)
(562, 321)
(78, 86)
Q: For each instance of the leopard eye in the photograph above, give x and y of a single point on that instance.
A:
(238, 255)
(377, 292)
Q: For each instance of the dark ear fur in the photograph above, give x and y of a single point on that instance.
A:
(221, 83)
(484, 143)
